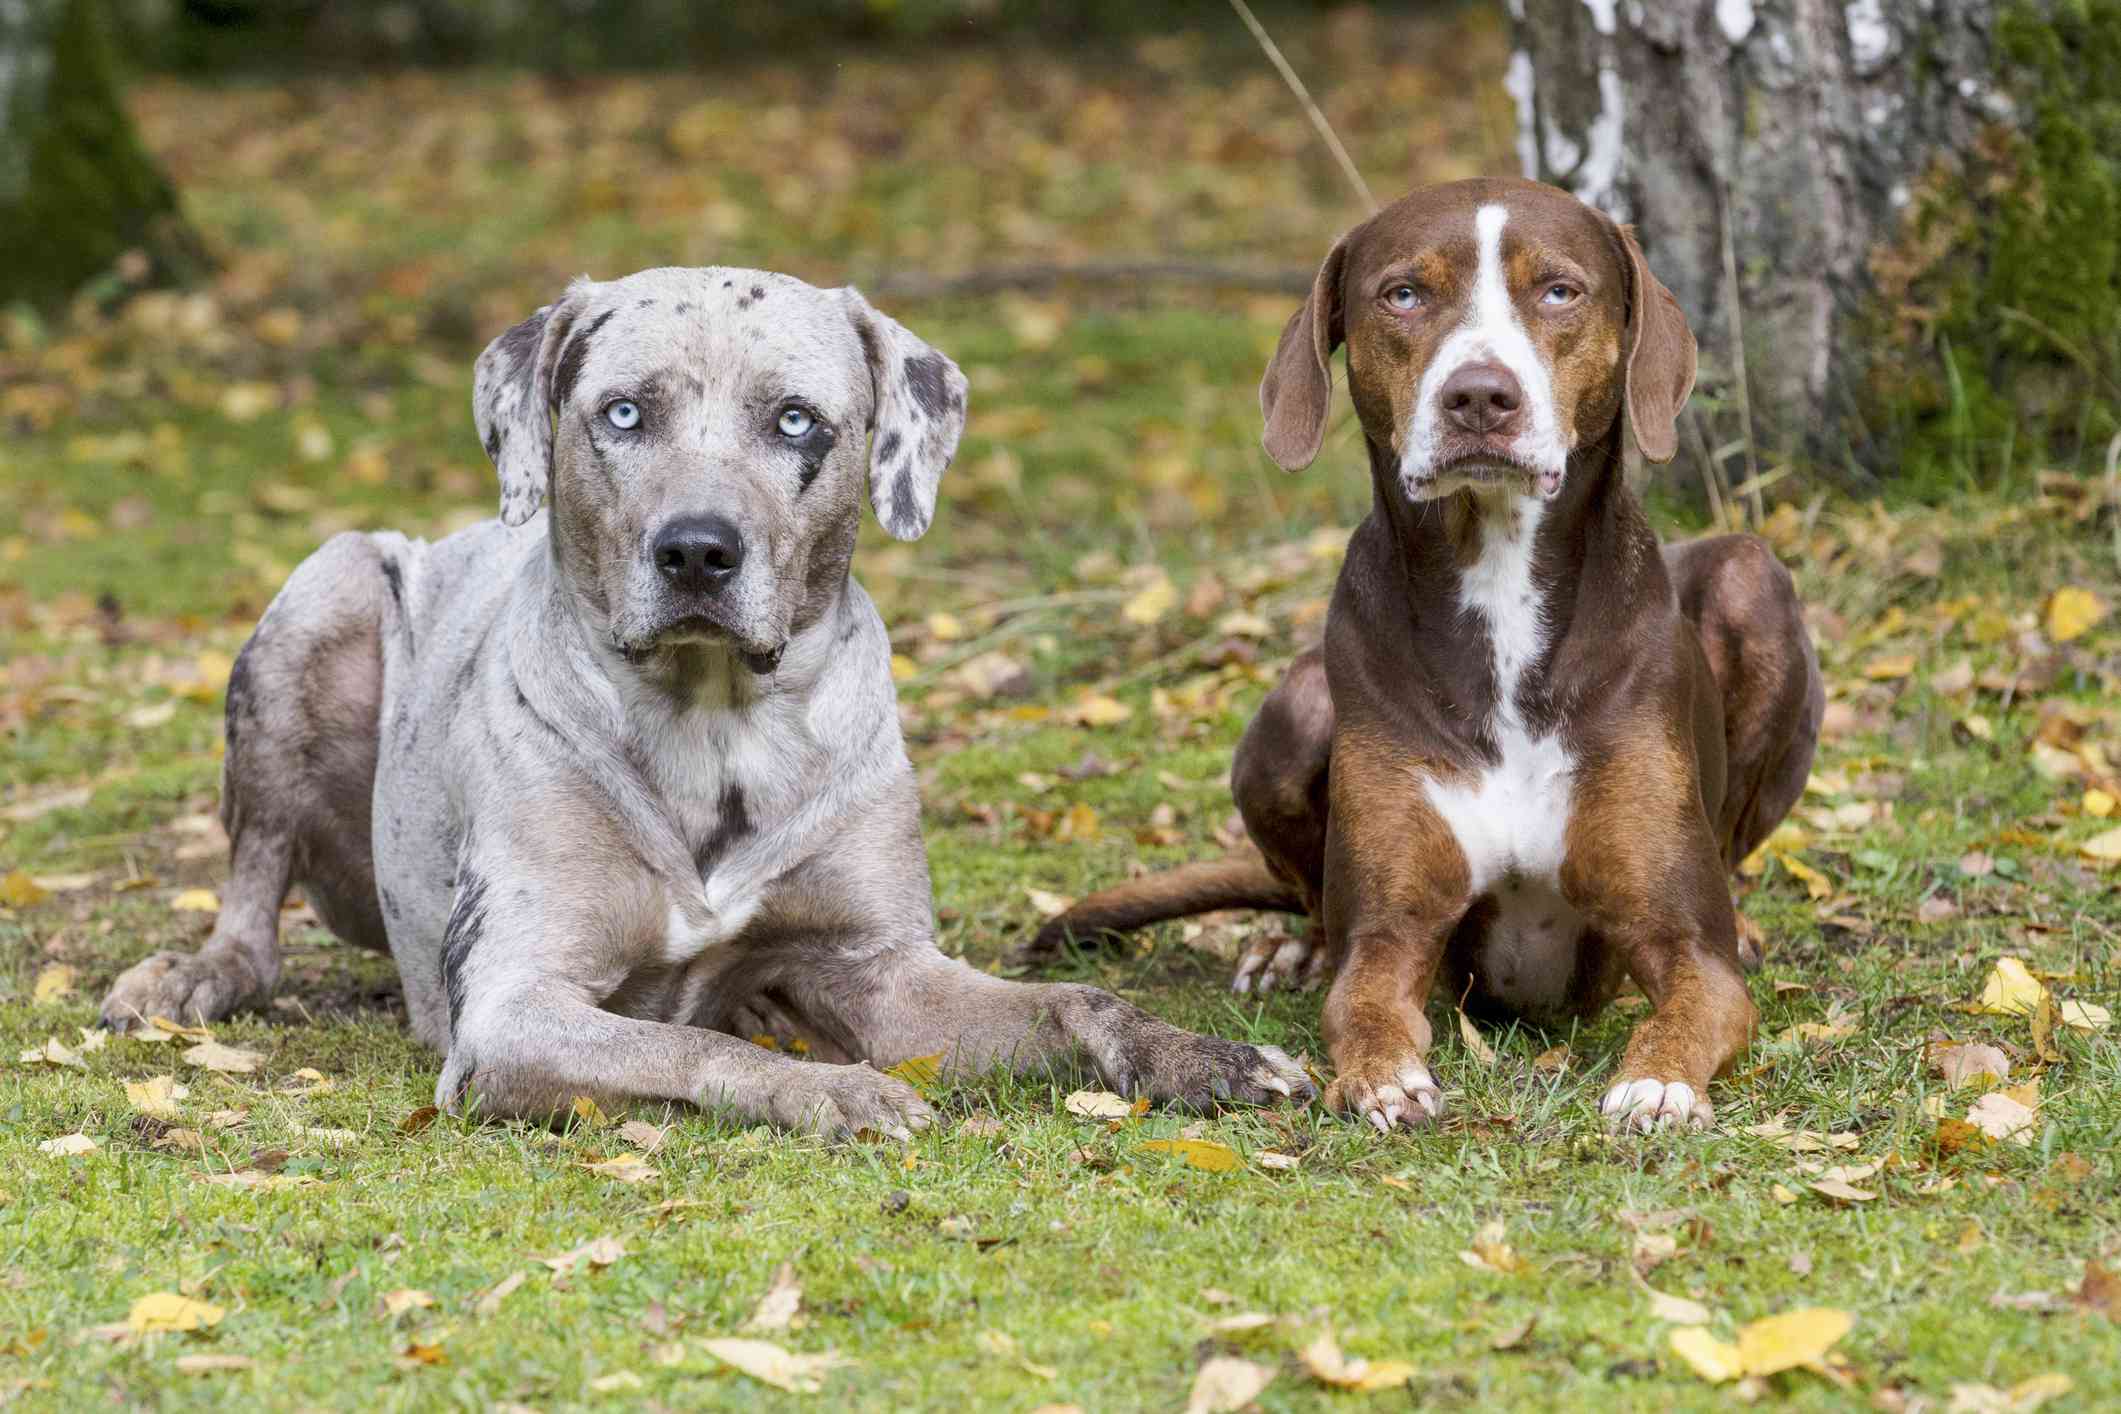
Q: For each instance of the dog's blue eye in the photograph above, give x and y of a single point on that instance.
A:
(623, 415)
(1402, 297)
(1557, 294)
(795, 422)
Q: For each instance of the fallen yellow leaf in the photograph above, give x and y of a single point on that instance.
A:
(1323, 1358)
(19, 890)
(397, 1303)
(53, 982)
(1098, 1104)
(1794, 1338)
(2011, 990)
(167, 1311)
(2098, 803)
(2106, 847)
(156, 1096)
(2086, 1016)
(67, 1146)
(2071, 612)
(1714, 1360)
(1155, 600)
(626, 1168)
(921, 1072)
(1199, 1153)
(195, 901)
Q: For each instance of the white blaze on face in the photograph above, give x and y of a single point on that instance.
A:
(1491, 332)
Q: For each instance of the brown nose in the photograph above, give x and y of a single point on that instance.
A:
(1484, 398)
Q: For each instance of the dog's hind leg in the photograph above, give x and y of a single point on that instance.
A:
(1279, 780)
(1742, 602)
(303, 702)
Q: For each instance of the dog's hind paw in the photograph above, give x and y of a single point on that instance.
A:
(1402, 1093)
(1646, 1105)
(1272, 962)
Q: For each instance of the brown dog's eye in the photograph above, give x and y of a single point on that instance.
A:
(1558, 293)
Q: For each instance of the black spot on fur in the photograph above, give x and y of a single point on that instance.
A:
(683, 306)
(494, 439)
(520, 344)
(727, 284)
(758, 292)
(467, 920)
(886, 447)
(572, 357)
(732, 826)
(905, 505)
(645, 304)
(395, 578)
(241, 711)
(390, 905)
(928, 379)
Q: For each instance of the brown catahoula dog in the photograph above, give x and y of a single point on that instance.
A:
(1534, 741)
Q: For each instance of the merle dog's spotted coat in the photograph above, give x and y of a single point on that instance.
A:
(610, 820)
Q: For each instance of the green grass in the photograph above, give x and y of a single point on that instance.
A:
(1114, 434)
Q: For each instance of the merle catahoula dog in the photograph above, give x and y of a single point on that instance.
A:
(621, 784)
(1534, 740)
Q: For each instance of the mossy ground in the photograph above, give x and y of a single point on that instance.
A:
(169, 468)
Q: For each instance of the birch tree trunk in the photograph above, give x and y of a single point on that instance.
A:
(77, 191)
(1765, 149)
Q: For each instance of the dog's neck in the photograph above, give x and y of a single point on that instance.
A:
(1524, 573)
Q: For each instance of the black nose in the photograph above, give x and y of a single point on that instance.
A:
(1484, 398)
(698, 552)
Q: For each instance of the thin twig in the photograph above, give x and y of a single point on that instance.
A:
(2113, 490)
(994, 279)
(1303, 96)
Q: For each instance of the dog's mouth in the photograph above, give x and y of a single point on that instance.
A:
(700, 630)
(1482, 462)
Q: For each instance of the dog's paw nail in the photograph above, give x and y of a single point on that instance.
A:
(1377, 1117)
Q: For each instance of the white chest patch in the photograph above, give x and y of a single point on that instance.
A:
(1511, 819)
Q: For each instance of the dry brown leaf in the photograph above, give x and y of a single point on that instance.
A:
(1226, 1383)
(228, 1060)
(770, 1364)
(1475, 1043)
(2021, 1398)
(1999, 1116)
(626, 1168)
(599, 1252)
(1099, 1104)
(1966, 1064)
(500, 1291)
(397, 1303)
(776, 1310)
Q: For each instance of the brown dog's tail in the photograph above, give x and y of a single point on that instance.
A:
(1235, 881)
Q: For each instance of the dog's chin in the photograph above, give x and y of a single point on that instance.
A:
(701, 631)
(1480, 469)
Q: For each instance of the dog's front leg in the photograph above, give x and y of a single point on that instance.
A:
(1644, 868)
(529, 1052)
(913, 1001)
(1396, 885)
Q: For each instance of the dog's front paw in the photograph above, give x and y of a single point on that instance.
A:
(192, 988)
(842, 1101)
(1387, 1094)
(1271, 961)
(1645, 1105)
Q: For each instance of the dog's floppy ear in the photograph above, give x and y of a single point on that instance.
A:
(511, 404)
(1660, 357)
(1297, 391)
(919, 415)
